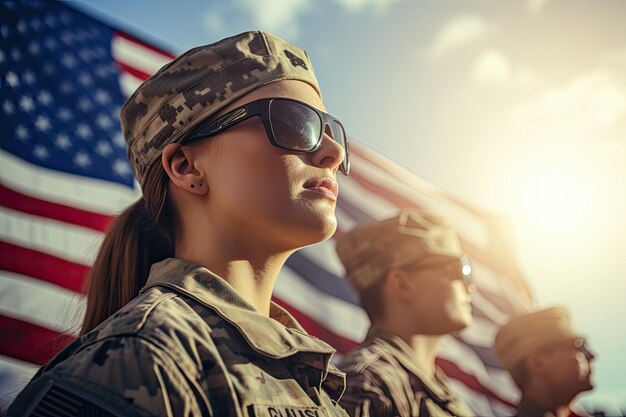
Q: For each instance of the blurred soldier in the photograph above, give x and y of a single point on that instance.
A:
(548, 360)
(413, 282)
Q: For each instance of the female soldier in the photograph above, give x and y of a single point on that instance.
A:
(179, 315)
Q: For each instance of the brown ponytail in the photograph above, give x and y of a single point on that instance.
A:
(140, 236)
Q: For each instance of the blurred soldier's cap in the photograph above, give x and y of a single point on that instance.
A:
(529, 333)
(199, 83)
(368, 251)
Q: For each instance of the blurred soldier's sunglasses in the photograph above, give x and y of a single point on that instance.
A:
(290, 124)
(580, 344)
(460, 268)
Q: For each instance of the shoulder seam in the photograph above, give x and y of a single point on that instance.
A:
(156, 302)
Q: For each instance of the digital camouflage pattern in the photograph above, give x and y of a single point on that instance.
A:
(189, 345)
(369, 250)
(199, 83)
(384, 381)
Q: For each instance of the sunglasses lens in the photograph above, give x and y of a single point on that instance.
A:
(295, 126)
(466, 269)
(339, 134)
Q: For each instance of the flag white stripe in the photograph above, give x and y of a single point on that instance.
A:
(342, 318)
(41, 303)
(403, 174)
(489, 309)
(485, 277)
(481, 333)
(71, 190)
(137, 56)
(365, 200)
(324, 256)
(73, 243)
(344, 219)
(14, 374)
(478, 403)
(451, 349)
(501, 409)
(129, 83)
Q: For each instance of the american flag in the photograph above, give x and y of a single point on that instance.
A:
(64, 175)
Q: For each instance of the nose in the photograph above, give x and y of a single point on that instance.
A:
(330, 154)
(589, 354)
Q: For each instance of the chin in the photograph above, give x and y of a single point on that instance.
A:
(325, 231)
(589, 385)
(314, 231)
(322, 224)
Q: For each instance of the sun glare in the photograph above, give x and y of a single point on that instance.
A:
(554, 198)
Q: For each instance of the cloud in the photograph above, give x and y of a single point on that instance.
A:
(358, 5)
(281, 17)
(587, 102)
(492, 66)
(535, 6)
(456, 32)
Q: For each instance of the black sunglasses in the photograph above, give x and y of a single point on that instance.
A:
(290, 124)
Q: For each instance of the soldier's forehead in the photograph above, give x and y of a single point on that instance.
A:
(295, 89)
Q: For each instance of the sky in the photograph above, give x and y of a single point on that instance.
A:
(515, 106)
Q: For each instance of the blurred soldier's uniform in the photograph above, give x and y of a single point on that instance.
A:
(548, 360)
(217, 354)
(383, 377)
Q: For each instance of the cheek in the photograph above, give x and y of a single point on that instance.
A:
(569, 367)
(433, 300)
(456, 298)
(260, 186)
(583, 365)
(253, 182)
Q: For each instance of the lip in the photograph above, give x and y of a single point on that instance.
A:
(325, 186)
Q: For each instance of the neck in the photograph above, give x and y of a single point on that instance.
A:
(250, 269)
(423, 347)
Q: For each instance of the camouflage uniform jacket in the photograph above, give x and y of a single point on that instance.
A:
(188, 346)
(383, 380)
(526, 408)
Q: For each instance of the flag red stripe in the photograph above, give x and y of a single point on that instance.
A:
(28, 342)
(470, 381)
(133, 71)
(342, 344)
(21, 202)
(145, 45)
(42, 266)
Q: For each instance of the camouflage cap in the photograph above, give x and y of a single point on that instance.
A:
(199, 83)
(529, 333)
(368, 251)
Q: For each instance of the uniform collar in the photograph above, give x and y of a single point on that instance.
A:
(278, 336)
(437, 387)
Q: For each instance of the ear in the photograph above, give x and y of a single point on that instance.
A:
(400, 285)
(179, 163)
